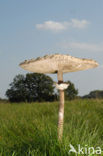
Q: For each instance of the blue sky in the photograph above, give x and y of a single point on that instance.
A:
(29, 29)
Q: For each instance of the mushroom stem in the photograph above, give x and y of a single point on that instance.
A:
(61, 107)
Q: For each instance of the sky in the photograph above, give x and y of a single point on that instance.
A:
(29, 29)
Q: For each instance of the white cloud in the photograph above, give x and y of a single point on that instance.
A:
(60, 26)
(98, 47)
(51, 25)
(79, 24)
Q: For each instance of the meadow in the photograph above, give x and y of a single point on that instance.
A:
(30, 129)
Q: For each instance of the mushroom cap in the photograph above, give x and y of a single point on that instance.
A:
(58, 62)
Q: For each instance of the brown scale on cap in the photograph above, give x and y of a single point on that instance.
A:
(58, 62)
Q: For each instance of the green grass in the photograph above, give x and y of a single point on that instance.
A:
(31, 129)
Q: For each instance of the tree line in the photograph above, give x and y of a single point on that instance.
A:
(96, 94)
(36, 87)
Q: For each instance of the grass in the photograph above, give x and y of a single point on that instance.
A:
(31, 129)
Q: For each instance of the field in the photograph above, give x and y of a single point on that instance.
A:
(31, 129)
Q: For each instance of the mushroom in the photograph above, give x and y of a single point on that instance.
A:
(58, 64)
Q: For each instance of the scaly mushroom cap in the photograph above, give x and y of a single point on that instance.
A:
(58, 62)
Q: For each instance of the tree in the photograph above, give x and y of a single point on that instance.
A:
(94, 94)
(71, 92)
(32, 87)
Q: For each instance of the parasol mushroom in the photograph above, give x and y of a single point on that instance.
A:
(59, 64)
